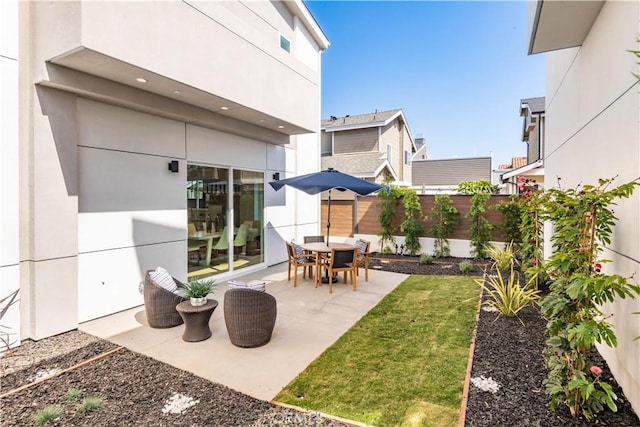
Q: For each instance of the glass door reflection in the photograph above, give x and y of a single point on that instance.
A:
(207, 229)
(248, 203)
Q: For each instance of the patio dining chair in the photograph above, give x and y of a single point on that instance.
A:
(341, 260)
(299, 258)
(363, 257)
(240, 241)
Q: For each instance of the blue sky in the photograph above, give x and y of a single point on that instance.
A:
(457, 70)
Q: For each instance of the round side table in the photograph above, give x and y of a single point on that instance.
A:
(196, 320)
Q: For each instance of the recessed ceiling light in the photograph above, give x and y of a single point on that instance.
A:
(141, 80)
(280, 127)
(176, 92)
(224, 108)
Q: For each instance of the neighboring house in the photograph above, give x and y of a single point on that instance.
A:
(529, 176)
(444, 175)
(373, 146)
(592, 132)
(421, 148)
(124, 124)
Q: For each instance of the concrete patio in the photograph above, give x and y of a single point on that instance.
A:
(309, 320)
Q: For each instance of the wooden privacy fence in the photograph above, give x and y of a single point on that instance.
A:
(361, 216)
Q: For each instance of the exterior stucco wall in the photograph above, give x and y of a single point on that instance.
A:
(9, 219)
(592, 132)
(203, 40)
(94, 191)
(47, 176)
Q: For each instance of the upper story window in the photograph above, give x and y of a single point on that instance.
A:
(389, 151)
(285, 44)
(407, 158)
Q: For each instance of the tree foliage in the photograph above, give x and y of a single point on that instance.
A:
(479, 186)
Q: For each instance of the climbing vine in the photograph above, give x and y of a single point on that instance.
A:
(413, 218)
(445, 219)
(388, 204)
(480, 228)
(531, 231)
(583, 223)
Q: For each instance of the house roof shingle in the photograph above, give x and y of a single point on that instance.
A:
(358, 164)
(536, 105)
(359, 119)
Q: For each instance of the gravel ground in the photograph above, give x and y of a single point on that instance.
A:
(137, 390)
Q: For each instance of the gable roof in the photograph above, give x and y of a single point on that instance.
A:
(362, 165)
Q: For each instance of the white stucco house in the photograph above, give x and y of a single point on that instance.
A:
(592, 109)
(136, 132)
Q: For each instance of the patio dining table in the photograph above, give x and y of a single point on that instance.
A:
(208, 238)
(323, 248)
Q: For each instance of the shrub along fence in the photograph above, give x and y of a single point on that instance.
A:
(349, 217)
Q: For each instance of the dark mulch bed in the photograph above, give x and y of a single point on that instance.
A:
(449, 266)
(511, 354)
(136, 388)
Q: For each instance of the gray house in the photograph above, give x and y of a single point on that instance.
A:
(531, 175)
(371, 146)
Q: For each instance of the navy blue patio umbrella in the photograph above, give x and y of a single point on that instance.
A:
(327, 180)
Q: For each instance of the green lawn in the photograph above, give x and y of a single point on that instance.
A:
(403, 364)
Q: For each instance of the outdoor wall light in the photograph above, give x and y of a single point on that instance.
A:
(173, 166)
(276, 176)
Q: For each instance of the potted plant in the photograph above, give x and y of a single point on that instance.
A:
(198, 290)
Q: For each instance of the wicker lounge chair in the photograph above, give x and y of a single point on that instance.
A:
(249, 316)
(160, 304)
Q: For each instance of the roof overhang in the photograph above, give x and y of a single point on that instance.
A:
(559, 24)
(529, 169)
(298, 8)
(191, 104)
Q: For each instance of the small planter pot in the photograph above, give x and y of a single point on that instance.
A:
(198, 301)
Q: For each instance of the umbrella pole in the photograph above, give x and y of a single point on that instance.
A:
(328, 217)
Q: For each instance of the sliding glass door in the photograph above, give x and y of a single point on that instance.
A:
(225, 220)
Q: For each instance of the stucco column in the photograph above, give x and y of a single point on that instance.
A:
(47, 195)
